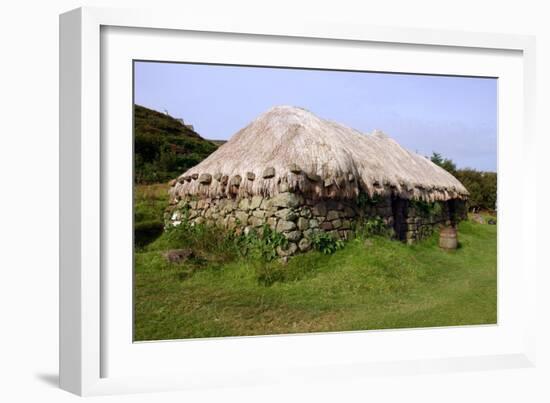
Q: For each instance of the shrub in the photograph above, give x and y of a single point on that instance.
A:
(370, 227)
(426, 208)
(481, 185)
(262, 245)
(326, 243)
(363, 200)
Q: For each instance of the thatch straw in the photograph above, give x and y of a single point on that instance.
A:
(288, 148)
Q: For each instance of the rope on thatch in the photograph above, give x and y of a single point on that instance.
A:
(291, 149)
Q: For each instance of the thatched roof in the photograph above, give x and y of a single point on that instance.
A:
(288, 148)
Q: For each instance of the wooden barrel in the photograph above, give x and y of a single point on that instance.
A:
(447, 238)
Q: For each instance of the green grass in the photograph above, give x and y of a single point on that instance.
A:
(149, 204)
(369, 284)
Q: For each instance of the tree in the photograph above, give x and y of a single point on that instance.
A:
(481, 185)
(446, 164)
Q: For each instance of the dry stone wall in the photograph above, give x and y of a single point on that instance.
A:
(298, 218)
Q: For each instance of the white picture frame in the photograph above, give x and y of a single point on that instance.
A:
(86, 345)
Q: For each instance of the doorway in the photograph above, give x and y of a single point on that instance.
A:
(399, 211)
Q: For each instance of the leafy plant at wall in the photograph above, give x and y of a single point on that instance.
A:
(363, 200)
(326, 243)
(370, 227)
(262, 244)
(426, 208)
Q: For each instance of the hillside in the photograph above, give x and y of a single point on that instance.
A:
(164, 147)
(226, 288)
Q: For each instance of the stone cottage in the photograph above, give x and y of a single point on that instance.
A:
(301, 174)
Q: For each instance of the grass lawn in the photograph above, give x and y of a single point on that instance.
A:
(372, 283)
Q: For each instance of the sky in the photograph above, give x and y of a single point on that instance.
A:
(454, 116)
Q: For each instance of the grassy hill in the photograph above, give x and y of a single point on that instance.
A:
(371, 283)
(164, 146)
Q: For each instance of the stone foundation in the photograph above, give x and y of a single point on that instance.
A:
(300, 219)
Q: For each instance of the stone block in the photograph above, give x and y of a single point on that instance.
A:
(269, 172)
(283, 226)
(255, 202)
(312, 176)
(255, 221)
(244, 204)
(303, 223)
(289, 250)
(286, 214)
(259, 213)
(205, 179)
(272, 222)
(310, 233)
(304, 244)
(305, 212)
(283, 187)
(242, 217)
(313, 223)
(235, 181)
(294, 168)
(286, 200)
(333, 215)
(336, 223)
(326, 226)
(348, 212)
(334, 205)
(266, 204)
(319, 209)
(293, 236)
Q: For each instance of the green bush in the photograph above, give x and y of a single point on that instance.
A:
(426, 208)
(363, 200)
(263, 244)
(371, 227)
(326, 243)
(481, 185)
